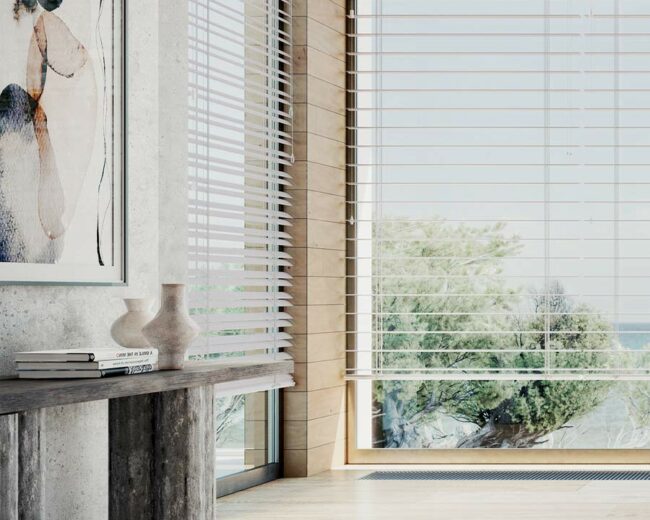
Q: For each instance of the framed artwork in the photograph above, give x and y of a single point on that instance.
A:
(62, 175)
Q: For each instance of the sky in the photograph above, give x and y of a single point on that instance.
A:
(539, 122)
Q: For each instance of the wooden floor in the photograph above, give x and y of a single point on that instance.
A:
(338, 495)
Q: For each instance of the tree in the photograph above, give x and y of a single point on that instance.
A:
(229, 412)
(449, 296)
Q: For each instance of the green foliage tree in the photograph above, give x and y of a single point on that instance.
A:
(440, 296)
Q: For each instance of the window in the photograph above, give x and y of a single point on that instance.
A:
(239, 145)
(499, 223)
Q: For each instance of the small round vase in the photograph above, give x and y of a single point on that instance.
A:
(127, 329)
(172, 330)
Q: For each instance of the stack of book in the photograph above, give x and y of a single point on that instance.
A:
(85, 363)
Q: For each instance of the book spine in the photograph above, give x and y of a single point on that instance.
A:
(122, 363)
(127, 371)
(124, 354)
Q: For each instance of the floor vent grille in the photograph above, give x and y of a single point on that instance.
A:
(508, 475)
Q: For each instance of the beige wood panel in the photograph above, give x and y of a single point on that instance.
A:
(299, 232)
(326, 346)
(328, 401)
(299, 315)
(299, 8)
(294, 406)
(324, 374)
(323, 150)
(325, 235)
(326, 95)
(328, 13)
(326, 290)
(321, 66)
(325, 457)
(324, 206)
(255, 433)
(255, 409)
(299, 88)
(300, 146)
(299, 118)
(325, 179)
(324, 36)
(298, 172)
(299, 59)
(300, 378)
(327, 123)
(298, 350)
(325, 318)
(299, 28)
(325, 430)
(318, 238)
(295, 464)
(494, 456)
(298, 258)
(295, 435)
(298, 290)
(298, 208)
(325, 262)
(255, 457)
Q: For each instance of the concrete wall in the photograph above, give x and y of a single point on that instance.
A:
(76, 479)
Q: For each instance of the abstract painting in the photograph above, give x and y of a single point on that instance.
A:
(61, 172)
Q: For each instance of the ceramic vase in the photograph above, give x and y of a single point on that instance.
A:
(172, 329)
(127, 329)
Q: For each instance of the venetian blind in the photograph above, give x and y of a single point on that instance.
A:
(239, 147)
(499, 209)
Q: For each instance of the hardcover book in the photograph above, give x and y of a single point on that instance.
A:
(101, 354)
(86, 374)
(86, 365)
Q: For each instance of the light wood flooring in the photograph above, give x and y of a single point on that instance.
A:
(340, 495)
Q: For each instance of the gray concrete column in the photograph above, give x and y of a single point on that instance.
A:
(9, 466)
(131, 452)
(162, 456)
(31, 464)
(22, 460)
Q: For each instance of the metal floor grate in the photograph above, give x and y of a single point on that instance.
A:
(508, 475)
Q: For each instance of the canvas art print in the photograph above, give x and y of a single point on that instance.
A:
(61, 176)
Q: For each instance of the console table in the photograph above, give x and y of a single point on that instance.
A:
(161, 438)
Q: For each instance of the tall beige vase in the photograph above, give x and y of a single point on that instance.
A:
(172, 330)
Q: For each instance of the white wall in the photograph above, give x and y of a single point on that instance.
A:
(67, 317)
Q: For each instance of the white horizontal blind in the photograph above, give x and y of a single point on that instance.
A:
(255, 384)
(239, 145)
(499, 170)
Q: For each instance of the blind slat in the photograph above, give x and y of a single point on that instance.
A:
(497, 194)
(239, 144)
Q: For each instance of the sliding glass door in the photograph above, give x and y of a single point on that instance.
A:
(247, 439)
(499, 225)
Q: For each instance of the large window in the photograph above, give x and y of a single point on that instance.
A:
(499, 223)
(239, 144)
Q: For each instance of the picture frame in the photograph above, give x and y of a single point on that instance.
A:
(63, 218)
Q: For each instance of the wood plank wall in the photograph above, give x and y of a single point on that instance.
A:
(314, 410)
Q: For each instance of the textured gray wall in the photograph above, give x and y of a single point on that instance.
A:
(76, 476)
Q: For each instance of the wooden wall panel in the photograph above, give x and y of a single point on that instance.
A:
(314, 410)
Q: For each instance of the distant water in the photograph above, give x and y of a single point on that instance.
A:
(634, 341)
